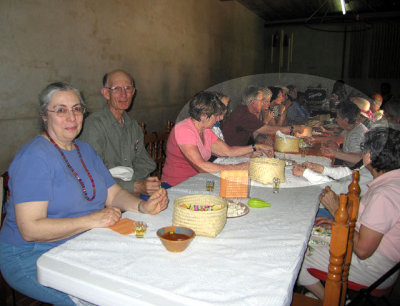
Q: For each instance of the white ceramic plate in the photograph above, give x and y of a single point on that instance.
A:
(242, 205)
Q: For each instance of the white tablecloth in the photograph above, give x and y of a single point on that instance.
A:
(253, 261)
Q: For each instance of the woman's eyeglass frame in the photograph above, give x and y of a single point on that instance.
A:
(63, 111)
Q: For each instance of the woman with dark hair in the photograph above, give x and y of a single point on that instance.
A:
(277, 106)
(192, 141)
(59, 188)
(377, 237)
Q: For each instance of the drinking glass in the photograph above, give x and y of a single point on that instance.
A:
(275, 184)
(140, 229)
(210, 185)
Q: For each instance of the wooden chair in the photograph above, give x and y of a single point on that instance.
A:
(156, 145)
(162, 147)
(143, 126)
(155, 148)
(341, 247)
(170, 125)
(336, 279)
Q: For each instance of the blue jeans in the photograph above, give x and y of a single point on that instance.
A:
(18, 266)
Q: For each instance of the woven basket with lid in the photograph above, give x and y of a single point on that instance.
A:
(204, 223)
(264, 169)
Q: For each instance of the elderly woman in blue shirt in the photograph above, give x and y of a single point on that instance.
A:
(59, 189)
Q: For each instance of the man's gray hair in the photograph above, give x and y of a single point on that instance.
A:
(266, 92)
(250, 94)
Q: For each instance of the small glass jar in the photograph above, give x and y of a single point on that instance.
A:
(276, 182)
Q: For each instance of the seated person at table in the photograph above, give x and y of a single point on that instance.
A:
(278, 106)
(296, 112)
(217, 126)
(243, 125)
(392, 113)
(118, 139)
(376, 104)
(377, 233)
(59, 189)
(351, 136)
(192, 141)
(367, 117)
(337, 96)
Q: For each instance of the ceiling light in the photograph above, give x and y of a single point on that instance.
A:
(343, 6)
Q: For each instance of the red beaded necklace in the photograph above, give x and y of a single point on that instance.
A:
(73, 171)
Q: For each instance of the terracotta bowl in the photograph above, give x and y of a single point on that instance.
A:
(175, 238)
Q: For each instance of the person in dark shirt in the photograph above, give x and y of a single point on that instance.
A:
(243, 126)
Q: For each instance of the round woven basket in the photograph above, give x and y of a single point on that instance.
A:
(204, 223)
(264, 169)
(286, 145)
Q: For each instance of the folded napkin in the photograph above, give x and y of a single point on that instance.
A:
(284, 136)
(123, 173)
(124, 226)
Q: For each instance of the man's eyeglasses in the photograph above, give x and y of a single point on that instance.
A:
(63, 111)
(118, 89)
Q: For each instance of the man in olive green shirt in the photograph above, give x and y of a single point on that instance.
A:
(117, 138)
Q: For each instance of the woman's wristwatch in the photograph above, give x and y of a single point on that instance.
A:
(291, 130)
(254, 147)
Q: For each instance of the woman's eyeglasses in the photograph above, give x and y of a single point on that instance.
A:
(63, 111)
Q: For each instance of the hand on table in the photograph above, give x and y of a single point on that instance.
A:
(298, 170)
(157, 202)
(147, 186)
(267, 149)
(106, 217)
(256, 154)
(327, 222)
(329, 199)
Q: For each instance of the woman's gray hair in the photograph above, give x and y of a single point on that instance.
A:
(205, 103)
(46, 95)
(383, 144)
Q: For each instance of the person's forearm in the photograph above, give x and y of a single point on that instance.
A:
(126, 201)
(239, 150)
(349, 157)
(54, 229)
(208, 167)
(336, 172)
(271, 130)
(314, 177)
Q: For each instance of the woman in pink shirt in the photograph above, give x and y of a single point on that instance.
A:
(376, 246)
(192, 141)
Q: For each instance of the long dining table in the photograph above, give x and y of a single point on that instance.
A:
(255, 259)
